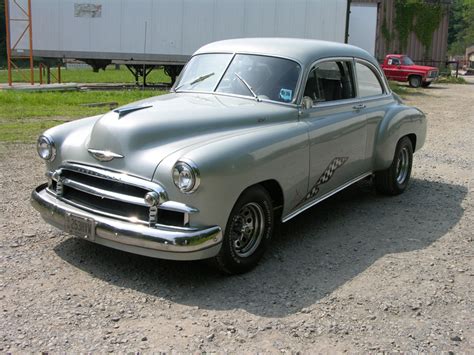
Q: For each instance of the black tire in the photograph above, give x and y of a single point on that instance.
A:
(394, 180)
(426, 84)
(414, 81)
(248, 232)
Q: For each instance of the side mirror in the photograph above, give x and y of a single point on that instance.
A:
(307, 103)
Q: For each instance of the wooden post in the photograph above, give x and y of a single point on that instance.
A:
(40, 73)
(59, 73)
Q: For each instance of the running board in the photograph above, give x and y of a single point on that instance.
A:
(322, 198)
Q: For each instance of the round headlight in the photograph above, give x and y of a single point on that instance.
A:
(45, 147)
(186, 176)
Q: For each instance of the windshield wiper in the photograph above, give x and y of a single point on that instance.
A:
(247, 86)
(194, 81)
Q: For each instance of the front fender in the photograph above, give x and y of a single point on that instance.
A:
(399, 121)
(227, 167)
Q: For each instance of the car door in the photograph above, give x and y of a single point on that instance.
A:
(394, 72)
(337, 127)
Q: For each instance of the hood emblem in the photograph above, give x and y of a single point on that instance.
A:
(104, 155)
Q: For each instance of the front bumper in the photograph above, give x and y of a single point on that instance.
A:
(170, 243)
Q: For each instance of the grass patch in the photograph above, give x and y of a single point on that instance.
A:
(451, 80)
(400, 90)
(86, 75)
(24, 115)
(15, 105)
(25, 131)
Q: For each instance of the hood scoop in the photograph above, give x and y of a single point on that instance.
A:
(122, 112)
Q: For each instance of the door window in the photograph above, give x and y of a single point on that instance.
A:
(368, 82)
(394, 61)
(330, 81)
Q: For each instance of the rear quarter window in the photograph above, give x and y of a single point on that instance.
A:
(368, 81)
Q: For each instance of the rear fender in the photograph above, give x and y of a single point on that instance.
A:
(399, 121)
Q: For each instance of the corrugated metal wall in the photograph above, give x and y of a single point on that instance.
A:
(436, 55)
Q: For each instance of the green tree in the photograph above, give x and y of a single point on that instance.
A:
(461, 28)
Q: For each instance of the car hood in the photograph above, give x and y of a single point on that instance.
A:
(423, 68)
(166, 124)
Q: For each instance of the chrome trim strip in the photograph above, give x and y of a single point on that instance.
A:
(170, 243)
(104, 193)
(177, 207)
(322, 198)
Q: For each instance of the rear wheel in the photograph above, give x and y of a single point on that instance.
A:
(248, 232)
(394, 180)
(414, 81)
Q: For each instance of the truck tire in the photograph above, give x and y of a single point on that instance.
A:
(394, 180)
(414, 81)
(248, 232)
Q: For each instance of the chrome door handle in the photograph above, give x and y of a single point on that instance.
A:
(359, 107)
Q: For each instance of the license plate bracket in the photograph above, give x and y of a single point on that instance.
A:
(81, 227)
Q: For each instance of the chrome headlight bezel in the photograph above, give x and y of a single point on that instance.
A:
(46, 148)
(186, 169)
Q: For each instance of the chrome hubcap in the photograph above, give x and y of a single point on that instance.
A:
(247, 229)
(402, 165)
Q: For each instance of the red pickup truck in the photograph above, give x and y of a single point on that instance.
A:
(400, 67)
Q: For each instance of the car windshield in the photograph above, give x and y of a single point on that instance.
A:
(203, 72)
(407, 61)
(258, 76)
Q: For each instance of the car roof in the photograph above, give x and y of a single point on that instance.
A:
(304, 51)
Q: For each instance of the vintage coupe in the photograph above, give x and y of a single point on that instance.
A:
(254, 132)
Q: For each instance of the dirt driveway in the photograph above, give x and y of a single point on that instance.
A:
(359, 272)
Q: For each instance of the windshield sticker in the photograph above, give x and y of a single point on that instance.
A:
(286, 95)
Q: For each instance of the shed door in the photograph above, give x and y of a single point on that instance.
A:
(363, 26)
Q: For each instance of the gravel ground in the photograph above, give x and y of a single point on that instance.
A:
(359, 272)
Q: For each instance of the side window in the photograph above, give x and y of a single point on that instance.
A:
(394, 61)
(369, 84)
(330, 81)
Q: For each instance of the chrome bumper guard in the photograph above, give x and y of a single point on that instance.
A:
(159, 242)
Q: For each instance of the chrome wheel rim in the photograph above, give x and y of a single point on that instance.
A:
(247, 229)
(403, 165)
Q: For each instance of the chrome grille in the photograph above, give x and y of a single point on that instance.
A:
(111, 194)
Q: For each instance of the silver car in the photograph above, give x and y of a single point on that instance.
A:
(254, 132)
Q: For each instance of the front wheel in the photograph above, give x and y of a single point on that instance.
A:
(414, 81)
(248, 232)
(394, 180)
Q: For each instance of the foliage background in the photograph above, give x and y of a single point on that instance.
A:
(461, 26)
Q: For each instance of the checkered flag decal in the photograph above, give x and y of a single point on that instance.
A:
(327, 174)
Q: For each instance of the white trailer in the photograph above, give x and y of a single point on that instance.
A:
(167, 32)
